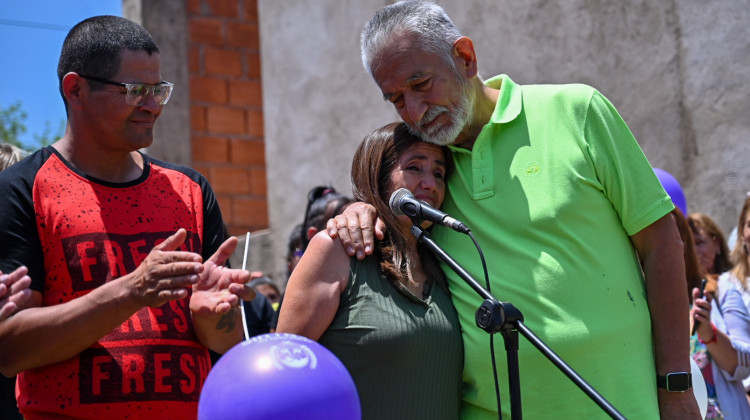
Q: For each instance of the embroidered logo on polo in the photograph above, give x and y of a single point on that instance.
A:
(532, 168)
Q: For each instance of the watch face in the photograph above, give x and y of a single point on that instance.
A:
(678, 381)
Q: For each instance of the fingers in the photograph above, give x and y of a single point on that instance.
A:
(242, 291)
(226, 249)
(331, 228)
(173, 242)
(20, 285)
(379, 231)
(340, 229)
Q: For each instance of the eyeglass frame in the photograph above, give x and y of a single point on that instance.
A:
(130, 86)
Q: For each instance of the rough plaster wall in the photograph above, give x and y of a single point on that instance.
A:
(716, 43)
(676, 70)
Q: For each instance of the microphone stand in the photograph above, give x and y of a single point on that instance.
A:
(495, 316)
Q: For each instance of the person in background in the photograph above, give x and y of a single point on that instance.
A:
(265, 286)
(721, 343)
(294, 249)
(740, 256)
(389, 317)
(14, 292)
(10, 154)
(126, 253)
(323, 202)
(14, 286)
(557, 190)
(710, 246)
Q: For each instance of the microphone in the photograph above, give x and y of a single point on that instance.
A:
(403, 202)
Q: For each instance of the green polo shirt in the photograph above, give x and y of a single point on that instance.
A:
(553, 189)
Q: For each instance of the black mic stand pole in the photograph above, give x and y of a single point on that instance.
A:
(495, 316)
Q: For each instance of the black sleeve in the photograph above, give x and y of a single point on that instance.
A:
(19, 237)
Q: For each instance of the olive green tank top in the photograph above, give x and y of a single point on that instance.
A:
(404, 354)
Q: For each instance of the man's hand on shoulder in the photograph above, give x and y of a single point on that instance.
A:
(355, 228)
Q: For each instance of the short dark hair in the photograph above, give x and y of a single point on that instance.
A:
(94, 46)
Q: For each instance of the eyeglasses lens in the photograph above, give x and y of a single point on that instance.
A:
(137, 93)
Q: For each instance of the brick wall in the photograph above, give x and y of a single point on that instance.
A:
(226, 108)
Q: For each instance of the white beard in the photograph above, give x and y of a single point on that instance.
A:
(445, 134)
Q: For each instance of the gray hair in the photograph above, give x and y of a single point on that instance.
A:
(431, 27)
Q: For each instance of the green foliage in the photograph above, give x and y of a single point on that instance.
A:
(49, 136)
(13, 125)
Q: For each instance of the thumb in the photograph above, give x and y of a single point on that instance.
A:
(173, 242)
(225, 251)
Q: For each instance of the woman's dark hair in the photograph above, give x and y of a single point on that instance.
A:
(323, 203)
(693, 269)
(375, 159)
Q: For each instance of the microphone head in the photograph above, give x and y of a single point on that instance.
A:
(395, 202)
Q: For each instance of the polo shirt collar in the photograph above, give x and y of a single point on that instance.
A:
(509, 100)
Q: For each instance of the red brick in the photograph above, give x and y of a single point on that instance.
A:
(253, 65)
(210, 149)
(218, 61)
(247, 152)
(243, 35)
(208, 89)
(206, 31)
(193, 7)
(194, 59)
(251, 10)
(225, 120)
(250, 212)
(197, 118)
(225, 205)
(203, 170)
(244, 92)
(258, 185)
(255, 123)
(226, 8)
(230, 180)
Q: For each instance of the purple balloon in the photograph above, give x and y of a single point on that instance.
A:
(279, 376)
(673, 188)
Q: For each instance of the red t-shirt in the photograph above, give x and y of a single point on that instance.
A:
(90, 232)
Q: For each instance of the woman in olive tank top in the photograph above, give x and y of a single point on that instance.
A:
(389, 317)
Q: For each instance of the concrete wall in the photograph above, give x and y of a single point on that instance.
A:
(677, 71)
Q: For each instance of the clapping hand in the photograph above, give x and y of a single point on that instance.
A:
(14, 291)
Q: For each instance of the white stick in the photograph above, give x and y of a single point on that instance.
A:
(244, 267)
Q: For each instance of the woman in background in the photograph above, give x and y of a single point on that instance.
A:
(710, 244)
(721, 343)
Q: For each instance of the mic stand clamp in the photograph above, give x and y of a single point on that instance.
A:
(494, 316)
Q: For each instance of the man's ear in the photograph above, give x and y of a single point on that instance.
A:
(466, 58)
(71, 88)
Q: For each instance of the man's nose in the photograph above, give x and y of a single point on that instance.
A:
(149, 103)
(415, 108)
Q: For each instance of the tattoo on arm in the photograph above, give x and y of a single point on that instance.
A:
(226, 322)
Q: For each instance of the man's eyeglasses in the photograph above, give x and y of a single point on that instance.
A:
(137, 91)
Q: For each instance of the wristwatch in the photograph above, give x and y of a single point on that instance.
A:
(675, 381)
